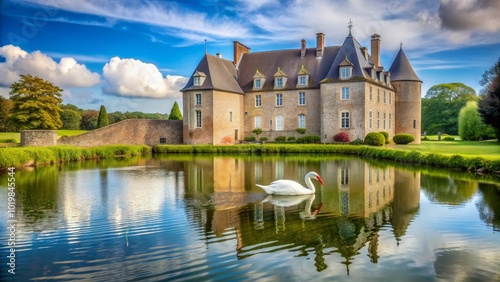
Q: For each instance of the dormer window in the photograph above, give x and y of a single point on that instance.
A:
(345, 69)
(199, 78)
(258, 80)
(373, 74)
(388, 78)
(303, 77)
(280, 79)
(381, 79)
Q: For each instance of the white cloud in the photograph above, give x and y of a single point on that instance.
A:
(133, 78)
(65, 73)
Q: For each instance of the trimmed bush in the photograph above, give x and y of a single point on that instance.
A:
(425, 138)
(262, 139)
(257, 131)
(374, 139)
(309, 139)
(448, 138)
(341, 137)
(291, 139)
(386, 136)
(250, 139)
(301, 130)
(403, 138)
(357, 141)
(280, 139)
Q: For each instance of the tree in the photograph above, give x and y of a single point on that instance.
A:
(89, 120)
(441, 106)
(175, 113)
(102, 120)
(470, 124)
(489, 105)
(36, 103)
(5, 108)
(71, 119)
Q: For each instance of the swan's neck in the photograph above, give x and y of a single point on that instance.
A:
(309, 184)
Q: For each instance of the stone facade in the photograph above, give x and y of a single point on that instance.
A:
(130, 131)
(408, 109)
(38, 138)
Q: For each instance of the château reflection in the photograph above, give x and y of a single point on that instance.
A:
(343, 217)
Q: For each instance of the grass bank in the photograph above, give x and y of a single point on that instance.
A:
(30, 156)
(406, 155)
(10, 139)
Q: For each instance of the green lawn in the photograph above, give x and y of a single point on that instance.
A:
(485, 149)
(17, 135)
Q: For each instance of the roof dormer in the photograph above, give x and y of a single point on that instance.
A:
(280, 79)
(303, 77)
(345, 69)
(258, 80)
(199, 78)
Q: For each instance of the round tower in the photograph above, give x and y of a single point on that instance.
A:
(408, 100)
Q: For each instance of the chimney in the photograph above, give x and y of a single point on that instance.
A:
(238, 50)
(303, 44)
(320, 44)
(376, 50)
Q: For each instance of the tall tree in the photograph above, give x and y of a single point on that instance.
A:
(71, 119)
(5, 108)
(175, 113)
(470, 124)
(36, 103)
(489, 105)
(441, 106)
(102, 120)
(89, 120)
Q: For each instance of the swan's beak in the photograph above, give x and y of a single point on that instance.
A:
(320, 180)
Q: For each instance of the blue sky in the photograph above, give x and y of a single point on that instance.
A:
(136, 55)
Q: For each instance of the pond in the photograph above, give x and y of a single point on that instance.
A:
(203, 218)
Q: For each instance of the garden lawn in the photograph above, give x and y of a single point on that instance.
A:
(485, 149)
(64, 132)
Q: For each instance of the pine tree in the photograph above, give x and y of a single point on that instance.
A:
(175, 113)
(36, 103)
(102, 120)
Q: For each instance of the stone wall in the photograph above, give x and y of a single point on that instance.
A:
(130, 131)
(38, 138)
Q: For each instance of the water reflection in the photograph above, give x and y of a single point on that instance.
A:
(194, 217)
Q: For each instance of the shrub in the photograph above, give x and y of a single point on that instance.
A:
(357, 141)
(301, 130)
(262, 139)
(257, 131)
(309, 139)
(403, 138)
(8, 140)
(250, 139)
(425, 138)
(375, 139)
(386, 136)
(280, 139)
(341, 137)
(448, 138)
(291, 139)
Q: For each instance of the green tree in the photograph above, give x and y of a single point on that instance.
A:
(89, 120)
(470, 124)
(489, 105)
(175, 113)
(36, 103)
(102, 119)
(441, 106)
(71, 119)
(5, 108)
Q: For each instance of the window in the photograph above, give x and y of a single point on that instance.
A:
(385, 97)
(302, 121)
(345, 120)
(384, 120)
(371, 98)
(196, 81)
(371, 119)
(257, 122)
(390, 120)
(302, 98)
(344, 176)
(414, 123)
(198, 119)
(345, 72)
(345, 93)
(390, 97)
(279, 99)
(257, 83)
(279, 122)
(302, 80)
(258, 100)
(378, 120)
(197, 99)
(230, 116)
(378, 95)
(279, 82)
(163, 140)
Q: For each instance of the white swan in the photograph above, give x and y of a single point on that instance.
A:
(290, 187)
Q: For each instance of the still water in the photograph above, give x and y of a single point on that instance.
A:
(202, 218)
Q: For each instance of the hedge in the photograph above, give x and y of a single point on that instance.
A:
(386, 136)
(374, 139)
(403, 138)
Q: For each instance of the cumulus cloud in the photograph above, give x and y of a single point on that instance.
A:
(65, 73)
(133, 78)
(470, 14)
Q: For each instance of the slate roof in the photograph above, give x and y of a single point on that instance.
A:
(401, 68)
(220, 75)
(351, 50)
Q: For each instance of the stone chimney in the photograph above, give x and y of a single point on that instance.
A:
(320, 44)
(303, 49)
(376, 50)
(238, 50)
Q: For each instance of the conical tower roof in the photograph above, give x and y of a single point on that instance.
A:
(401, 68)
